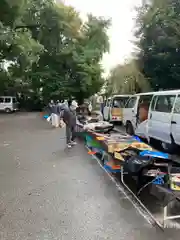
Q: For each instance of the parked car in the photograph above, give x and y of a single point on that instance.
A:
(8, 104)
(113, 108)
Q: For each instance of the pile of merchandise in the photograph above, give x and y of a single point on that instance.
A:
(127, 155)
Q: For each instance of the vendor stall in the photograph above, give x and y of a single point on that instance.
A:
(121, 153)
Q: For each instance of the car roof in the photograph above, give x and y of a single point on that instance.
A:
(159, 92)
(7, 96)
(125, 95)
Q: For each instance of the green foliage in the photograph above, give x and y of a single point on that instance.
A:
(126, 79)
(159, 58)
(49, 52)
(18, 49)
(89, 49)
(157, 62)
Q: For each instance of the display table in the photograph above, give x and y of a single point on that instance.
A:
(129, 156)
(166, 196)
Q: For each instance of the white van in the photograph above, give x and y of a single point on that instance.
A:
(163, 122)
(8, 104)
(113, 108)
(164, 118)
(130, 111)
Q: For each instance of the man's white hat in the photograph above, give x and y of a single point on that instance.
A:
(74, 104)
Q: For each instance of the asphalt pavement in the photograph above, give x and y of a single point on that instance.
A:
(50, 193)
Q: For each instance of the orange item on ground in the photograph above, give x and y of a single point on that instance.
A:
(112, 165)
(91, 152)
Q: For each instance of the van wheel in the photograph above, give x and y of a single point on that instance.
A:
(129, 128)
(7, 110)
(156, 144)
(169, 147)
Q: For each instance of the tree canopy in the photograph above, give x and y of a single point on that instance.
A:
(159, 57)
(47, 51)
(156, 64)
(126, 79)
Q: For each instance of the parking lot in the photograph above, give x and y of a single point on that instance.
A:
(47, 192)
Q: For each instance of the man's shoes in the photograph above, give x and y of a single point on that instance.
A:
(69, 145)
(73, 143)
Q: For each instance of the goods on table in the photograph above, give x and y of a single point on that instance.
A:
(132, 154)
(124, 154)
(100, 126)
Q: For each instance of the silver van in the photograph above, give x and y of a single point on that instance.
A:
(164, 118)
(8, 104)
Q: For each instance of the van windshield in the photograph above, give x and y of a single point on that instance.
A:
(119, 102)
(14, 100)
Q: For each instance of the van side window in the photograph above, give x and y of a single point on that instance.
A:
(7, 100)
(1, 100)
(177, 105)
(131, 102)
(145, 99)
(164, 103)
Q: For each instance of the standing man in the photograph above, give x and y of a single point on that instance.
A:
(56, 114)
(52, 109)
(101, 102)
(68, 115)
(50, 105)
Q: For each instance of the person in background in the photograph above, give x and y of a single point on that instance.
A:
(57, 119)
(89, 109)
(55, 115)
(49, 107)
(101, 102)
(52, 110)
(68, 115)
(66, 102)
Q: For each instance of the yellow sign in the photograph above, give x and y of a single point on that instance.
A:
(116, 112)
(174, 180)
(100, 138)
(175, 187)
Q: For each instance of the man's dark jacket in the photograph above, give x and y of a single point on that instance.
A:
(68, 115)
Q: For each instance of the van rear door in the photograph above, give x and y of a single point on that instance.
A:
(175, 121)
(15, 104)
(118, 104)
(1, 103)
(129, 111)
(106, 109)
(160, 114)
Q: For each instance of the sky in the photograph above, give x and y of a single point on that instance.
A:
(122, 14)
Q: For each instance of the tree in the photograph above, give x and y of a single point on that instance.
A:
(92, 43)
(50, 51)
(126, 79)
(18, 50)
(159, 58)
(56, 31)
(69, 66)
